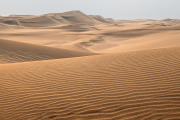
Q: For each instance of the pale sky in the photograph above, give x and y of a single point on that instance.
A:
(117, 9)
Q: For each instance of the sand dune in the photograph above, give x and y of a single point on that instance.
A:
(53, 19)
(40, 21)
(51, 68)
(72, 17)
(77, 31)
(6, 27)
(76, 27)
(101, 19)
(9, 20)
(140, 85)
(11, 52)
(163, 39)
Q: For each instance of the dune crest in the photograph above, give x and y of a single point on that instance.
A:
(12, 52)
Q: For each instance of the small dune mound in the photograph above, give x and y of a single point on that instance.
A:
(72, 17)
(6, 26)
(47, 20)
(77, 27)
(28, 21)
(91, 42)
(8, 21)
(11, 52)
(101, 19)
(167, 22)
(140, 85)
(40, 21)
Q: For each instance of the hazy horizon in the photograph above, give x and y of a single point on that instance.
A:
(116, 9)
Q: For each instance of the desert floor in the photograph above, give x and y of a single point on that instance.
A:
(72, 66)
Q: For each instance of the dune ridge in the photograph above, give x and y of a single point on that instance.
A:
(77, 31)
(12, 52)
(52, 19)
(73, 66)
(141, 85)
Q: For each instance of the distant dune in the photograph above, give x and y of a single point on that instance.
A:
(125, 86)
(77, 31)
(153, 40)
(72, 17)
(5, 26)
(73, 66)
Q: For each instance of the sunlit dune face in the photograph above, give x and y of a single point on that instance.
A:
(73, 66)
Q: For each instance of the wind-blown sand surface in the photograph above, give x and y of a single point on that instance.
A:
(132, 86)
(12, 52)
(72, 66)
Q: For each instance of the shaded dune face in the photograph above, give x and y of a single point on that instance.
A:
(125, 86)
(12, 52)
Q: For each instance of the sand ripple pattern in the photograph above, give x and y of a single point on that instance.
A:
(13, 52)
(141, 85)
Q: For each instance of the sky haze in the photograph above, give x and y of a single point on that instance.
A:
(117, 9)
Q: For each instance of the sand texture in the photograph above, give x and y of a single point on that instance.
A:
(72, 66)
(12, 52)
(132, 86)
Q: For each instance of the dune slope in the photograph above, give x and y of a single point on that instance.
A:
(47, 20)
(11, 52)
(126, 86)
